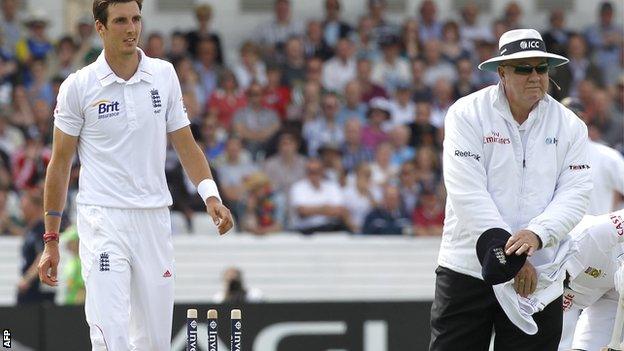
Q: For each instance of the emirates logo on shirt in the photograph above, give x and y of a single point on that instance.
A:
(496, 138)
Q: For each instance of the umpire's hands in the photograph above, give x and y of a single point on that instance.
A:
(48, 264)
(220, 214)
(523, 241)
(525, 281)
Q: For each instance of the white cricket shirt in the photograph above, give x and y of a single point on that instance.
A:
(122, 128)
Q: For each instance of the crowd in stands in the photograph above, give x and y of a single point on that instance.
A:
(319, 124)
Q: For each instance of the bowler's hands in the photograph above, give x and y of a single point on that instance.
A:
(220, 214)
(525, 281)
(48, 264)
(523, 241)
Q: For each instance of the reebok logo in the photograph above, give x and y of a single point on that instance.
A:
(467, 154)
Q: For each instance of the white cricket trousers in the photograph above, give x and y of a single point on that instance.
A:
(128, 269)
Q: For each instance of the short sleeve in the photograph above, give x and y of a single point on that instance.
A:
(176, 112)
(68, 116)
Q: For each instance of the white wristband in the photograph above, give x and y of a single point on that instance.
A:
(207, 188)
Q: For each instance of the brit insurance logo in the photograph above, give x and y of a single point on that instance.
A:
(107, 108)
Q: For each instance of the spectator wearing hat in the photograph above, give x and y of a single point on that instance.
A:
(370, 89)
(317, 203)
(265, 211)
(203, 16)
(35, 45)
(430, 27)
(391, 68)
(378, 113)
(428, 216)
(324, 128)
(334, 27)
(341, 68)
(496, 176)
(389, 217)
(353, 106)
(353, 151)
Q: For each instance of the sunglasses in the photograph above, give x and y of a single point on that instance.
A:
(525, 70)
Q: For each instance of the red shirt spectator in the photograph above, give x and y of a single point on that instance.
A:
(276, 96)
(226, 100)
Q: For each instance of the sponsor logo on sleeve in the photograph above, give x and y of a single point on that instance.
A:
(460, 153)
(595, 272)
(619, 224)
(496, 138)
(568, 300)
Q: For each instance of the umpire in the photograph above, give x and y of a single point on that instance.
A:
(514, 158)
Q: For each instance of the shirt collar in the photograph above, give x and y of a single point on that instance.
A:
(106, 76)
(502, 105)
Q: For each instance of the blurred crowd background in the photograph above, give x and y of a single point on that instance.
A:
(318, 124)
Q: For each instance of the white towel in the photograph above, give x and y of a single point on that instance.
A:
(550, 278)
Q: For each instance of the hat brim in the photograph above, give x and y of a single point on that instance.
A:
(554, 60)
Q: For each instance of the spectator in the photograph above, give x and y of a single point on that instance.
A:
(314, 44)
(389, 218)
(75, 287)
(409, 186)
(206, 66)
(42, 121)
(512, 16)
(353, 106)
(400, 136)
(605, 33)
(324, 128)
(485, 50)
(334, 27)
(8, 70)
(276, 96)
(318, 203)
(465, 79)
(272, 36)
(266, 209)
(227, 99)
(361, 195)
(307, 105)
(10, 225)
(235, 291)
(28, 288)
(314, 70)
(11, 138)
(428, 216)
(353, 151)
(64, 62)
(178, 46)
(232, 167)
(606, 119)
(428, 167)
(155, 46)
(423, 132)
(420, 90)
(391, 68)
(384, 171)
(364, 39)
(35, 45)
(442, 100)
(28, 164)
(341, 68)
(203, 15)
(402, 108)
(10, 27)
(580, 67)
(287, 158)
(453, 48)
(556, 37)
(213, 137)
(330, 155)
(471, 31)
(430, 27)
(255, 124)
(370, 89)
(250, 68)
(294, 66)
(378, 114)
(87, 40)
(410, 39)
(436, 66)
(381, 26)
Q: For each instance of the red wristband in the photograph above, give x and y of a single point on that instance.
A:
(50, 236)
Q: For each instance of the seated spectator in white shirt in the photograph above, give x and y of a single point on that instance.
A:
(437, 67)
(331, 156)
(360, 196)
(391, 68)
(402, 108)
(250, 68)
(324, 128)
(382, 167)
(353, 105)
(318, 204)
(443, 98)
(400, 137)
(340, 69)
